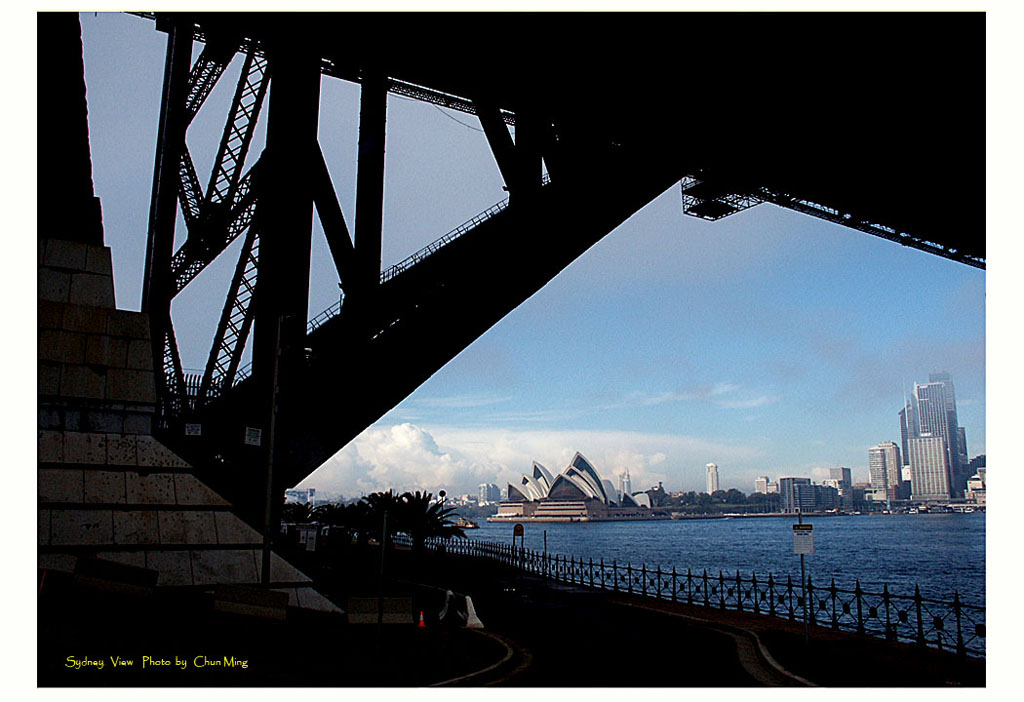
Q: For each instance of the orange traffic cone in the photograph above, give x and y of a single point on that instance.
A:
(422, 624)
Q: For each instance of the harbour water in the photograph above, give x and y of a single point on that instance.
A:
(941, 553)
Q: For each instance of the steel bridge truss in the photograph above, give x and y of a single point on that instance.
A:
(227, 209)
(214, 219)
(708, 200)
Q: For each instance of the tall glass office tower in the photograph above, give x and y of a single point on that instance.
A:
(931, 413)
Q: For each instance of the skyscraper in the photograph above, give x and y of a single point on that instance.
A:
(761, 484)
(909, 427)
(931, 412)
(956, 443)
(930, 468)
(712, 477)
(488, 492)
(886, 471)
(625, 487)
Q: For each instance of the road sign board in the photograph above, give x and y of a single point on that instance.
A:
(803, 539)
(253, 436)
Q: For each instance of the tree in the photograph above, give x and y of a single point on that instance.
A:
(295, 513)
(422, 517)
(379, 504)
(735, 497)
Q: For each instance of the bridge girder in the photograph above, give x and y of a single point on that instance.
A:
(320, 386)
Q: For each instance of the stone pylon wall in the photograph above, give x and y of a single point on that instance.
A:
(107, 488)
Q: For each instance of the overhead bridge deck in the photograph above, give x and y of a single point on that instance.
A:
(873, 121)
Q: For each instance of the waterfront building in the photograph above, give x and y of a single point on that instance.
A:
(577, 494)
(773, 487)
(860, 492)
(787, 489)
(301, 497)
(826, 497)
(976, 488)
(929, 464)
(885, 469)
(800, 494)
(761, 484)
(845, 487)
(487, 493)
(712, 477)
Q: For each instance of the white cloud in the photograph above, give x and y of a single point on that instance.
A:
(462, 401)
(820, 473)
(409, 457)
(747, 404)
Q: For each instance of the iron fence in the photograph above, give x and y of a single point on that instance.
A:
(946, 625)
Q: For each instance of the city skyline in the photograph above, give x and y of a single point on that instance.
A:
(768, 342)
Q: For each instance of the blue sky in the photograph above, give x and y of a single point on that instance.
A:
(768, 342)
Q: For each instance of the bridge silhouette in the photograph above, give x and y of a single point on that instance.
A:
(867, 121)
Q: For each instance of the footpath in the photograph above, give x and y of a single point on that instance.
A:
(536, 633)
(565, 635)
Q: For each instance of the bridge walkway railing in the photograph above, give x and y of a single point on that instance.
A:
(942, 624)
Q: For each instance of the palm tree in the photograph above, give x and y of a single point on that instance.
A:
(422, 517)
(377, 504)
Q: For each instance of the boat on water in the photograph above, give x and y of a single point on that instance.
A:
(464, 523)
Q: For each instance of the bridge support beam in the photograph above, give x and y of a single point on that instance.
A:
(527, 162)
(370, 185)
(285, 221)
(157, 290)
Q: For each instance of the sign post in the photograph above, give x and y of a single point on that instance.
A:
(517, 530)
(803, 543)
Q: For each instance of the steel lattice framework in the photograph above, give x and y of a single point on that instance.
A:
(313, 386)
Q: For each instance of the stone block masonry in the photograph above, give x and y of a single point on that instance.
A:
(107, 488)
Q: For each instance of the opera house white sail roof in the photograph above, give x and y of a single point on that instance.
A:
(579, 481)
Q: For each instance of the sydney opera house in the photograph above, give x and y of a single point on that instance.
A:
(578, 494)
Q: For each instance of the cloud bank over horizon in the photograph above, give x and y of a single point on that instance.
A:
(407, 456)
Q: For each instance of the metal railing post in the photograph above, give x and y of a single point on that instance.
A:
(591, 563)
(629, 577)
(890, 635)
(832, 592)
(689, 587)
(721, 589)
(959, 633)
(706, 601)
(674, 584)
(753, 586)
(860, 613)
(602, 574)
(771, 595)
(789, 597)
(810, 601)
(920, 619)
(739, 592)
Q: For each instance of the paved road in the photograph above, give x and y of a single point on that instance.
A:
(566, 636)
